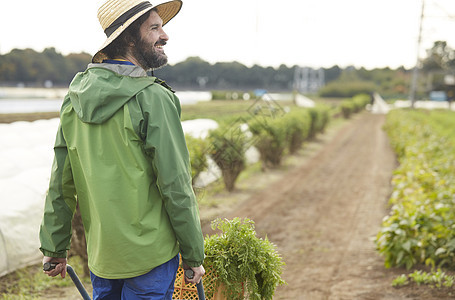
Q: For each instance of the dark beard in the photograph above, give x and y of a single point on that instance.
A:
(147, 57)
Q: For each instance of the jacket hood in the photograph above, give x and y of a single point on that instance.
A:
(99, 92)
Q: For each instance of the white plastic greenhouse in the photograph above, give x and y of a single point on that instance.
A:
(25, 158)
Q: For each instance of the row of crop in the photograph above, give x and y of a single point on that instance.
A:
(273, 137)
(354, 105)
(421, 225)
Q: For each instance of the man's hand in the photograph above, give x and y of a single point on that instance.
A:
(198, 273)
(59, 269)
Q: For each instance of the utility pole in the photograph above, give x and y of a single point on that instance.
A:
(256, 59)
(415, 73)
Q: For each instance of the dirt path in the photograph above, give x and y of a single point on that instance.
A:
(323, 215)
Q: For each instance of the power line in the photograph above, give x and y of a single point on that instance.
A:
(415, 72)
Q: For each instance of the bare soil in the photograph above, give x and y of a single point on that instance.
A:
(323, 212)
(29, 117)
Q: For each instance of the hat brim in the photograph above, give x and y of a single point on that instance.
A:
(166, 11)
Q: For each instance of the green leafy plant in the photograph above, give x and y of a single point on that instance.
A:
(437, 279)
(228, 147)
(319, 119)
(347, 108)
(360, 101)
(354, 105)
(400, 281)
(270, 139)
(421, 223)
(298, 123)
(244, 263)
(197, 148)
(449, 281)
(420, 277)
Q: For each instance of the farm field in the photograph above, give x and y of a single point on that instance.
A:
(322, 208)
(324, 213)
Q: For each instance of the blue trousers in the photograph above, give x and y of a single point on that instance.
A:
(156, 284)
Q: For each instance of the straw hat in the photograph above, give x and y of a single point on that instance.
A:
(116, 15)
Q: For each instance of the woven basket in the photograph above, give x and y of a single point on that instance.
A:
(189, 291)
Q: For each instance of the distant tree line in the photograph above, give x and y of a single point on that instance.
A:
(194, 73)
(197, 73)
(31, 68)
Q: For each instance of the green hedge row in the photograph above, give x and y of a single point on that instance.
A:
(354, 105)
(228, 148)
(347, 88)
(274, 137)
(421, 225)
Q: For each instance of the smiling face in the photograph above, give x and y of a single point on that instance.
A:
(148, 51)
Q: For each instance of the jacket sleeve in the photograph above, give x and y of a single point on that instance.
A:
(60, 204)
(165, 144)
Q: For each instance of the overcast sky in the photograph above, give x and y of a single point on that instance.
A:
(315, 33)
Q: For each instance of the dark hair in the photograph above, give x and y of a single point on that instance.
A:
(131, 34)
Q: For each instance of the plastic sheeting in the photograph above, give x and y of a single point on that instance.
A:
(379, 105)
(199, 128)
(25, 158)
(303, 101)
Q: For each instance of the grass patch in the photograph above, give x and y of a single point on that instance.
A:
(30, 117)
(221, 110)
(32, 283)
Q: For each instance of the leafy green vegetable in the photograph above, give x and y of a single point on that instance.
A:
(243, 262)
(421, 225)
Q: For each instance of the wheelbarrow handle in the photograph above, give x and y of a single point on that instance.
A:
(200, 286)
(77, 283)
(51, 265)
(200, 290)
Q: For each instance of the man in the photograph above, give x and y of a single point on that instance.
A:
(120, 152)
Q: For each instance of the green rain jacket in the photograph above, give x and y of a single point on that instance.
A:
(120, 152)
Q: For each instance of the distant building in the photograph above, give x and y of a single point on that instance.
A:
(308, 80)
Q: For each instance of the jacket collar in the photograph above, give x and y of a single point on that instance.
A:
(125, 70)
